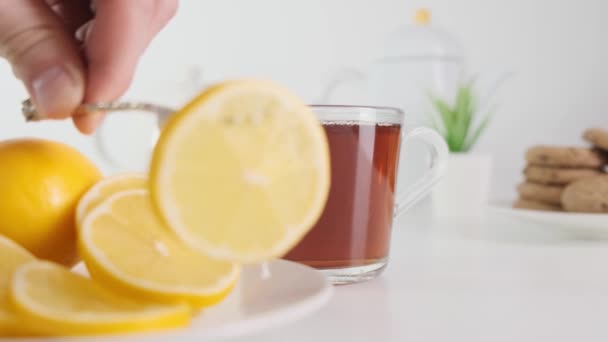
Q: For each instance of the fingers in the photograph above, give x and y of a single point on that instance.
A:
(74, 13)
(114, 42)
(44, 56)
(37, 37)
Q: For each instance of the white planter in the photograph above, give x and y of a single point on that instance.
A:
(463, 192)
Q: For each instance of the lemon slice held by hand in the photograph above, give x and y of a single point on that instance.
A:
(241, 172)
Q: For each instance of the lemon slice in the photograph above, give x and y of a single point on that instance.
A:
(51, 300)
(11, 257)
(242, 171)
(126, 246)
(106, 187)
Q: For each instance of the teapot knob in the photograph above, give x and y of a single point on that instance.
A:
(422, 17)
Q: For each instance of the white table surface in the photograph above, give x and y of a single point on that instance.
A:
(499, 280)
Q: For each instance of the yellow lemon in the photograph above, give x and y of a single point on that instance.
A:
(241, 172)
(41, 183)
(127, 248)
(107, 187)
(51, 300)
(11, 257)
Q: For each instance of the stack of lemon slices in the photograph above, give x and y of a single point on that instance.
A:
(239, 175)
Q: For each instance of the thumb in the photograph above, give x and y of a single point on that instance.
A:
(43, 54)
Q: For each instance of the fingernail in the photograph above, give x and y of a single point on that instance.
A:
(55, 93)
(83, 32)
(88, 124)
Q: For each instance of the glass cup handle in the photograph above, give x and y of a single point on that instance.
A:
(438, 150)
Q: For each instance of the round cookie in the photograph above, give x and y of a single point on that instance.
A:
(576, 157)
(550, 194)
(534, 205)
(589, 195)
(557, 176)
(598, 137)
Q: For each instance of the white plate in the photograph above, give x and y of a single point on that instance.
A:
(585, 225)
(264, 298)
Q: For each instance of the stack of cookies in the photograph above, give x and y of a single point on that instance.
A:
(567, 178)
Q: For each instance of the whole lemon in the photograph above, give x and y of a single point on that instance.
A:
(41, 182)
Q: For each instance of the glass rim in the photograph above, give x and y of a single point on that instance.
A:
(358, 113)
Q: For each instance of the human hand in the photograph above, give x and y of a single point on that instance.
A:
(68, 52)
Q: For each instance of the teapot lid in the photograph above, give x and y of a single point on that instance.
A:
(422, 40)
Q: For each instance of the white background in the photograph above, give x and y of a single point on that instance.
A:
(557, 48)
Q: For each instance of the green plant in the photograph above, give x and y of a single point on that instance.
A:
(460, 124)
